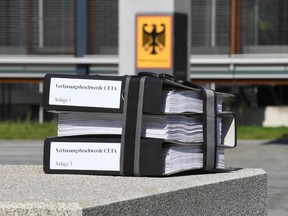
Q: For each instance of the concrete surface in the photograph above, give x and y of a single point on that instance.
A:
(272, 156)
(268, 155)
(26, 190)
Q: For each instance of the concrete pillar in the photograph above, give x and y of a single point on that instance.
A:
(179, 10)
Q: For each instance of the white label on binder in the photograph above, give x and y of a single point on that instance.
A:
(85, 92)
(85, 156)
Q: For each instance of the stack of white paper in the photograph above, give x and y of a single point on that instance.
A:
(174, 128)
(177, 158)
(175, 101)
(178, 128)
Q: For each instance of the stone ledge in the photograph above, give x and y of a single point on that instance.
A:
(27, 190)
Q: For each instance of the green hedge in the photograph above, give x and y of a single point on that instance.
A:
(27, 130)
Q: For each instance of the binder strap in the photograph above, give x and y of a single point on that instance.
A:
(209, 118)
(209, 129)
(132, 126)
(209, 124)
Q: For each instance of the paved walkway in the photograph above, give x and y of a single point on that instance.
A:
(21, 152)
(270, 156)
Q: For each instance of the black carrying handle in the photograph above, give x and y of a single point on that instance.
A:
(171, 78)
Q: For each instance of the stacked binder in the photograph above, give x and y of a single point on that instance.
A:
(145, 125)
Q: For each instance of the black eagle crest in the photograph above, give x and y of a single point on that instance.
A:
(154, 39)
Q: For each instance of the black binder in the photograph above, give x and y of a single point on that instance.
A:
(151, 91)
(135, 96)
(152, 96)
(149, 161)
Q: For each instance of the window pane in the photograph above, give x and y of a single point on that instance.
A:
(265, 26)
(58, 26)
(37, 26)
(102, 27)
(210, 20)
(12, 27)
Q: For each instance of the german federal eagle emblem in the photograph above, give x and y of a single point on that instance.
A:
(153, 40)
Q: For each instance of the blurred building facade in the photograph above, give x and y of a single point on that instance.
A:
(237, 46)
